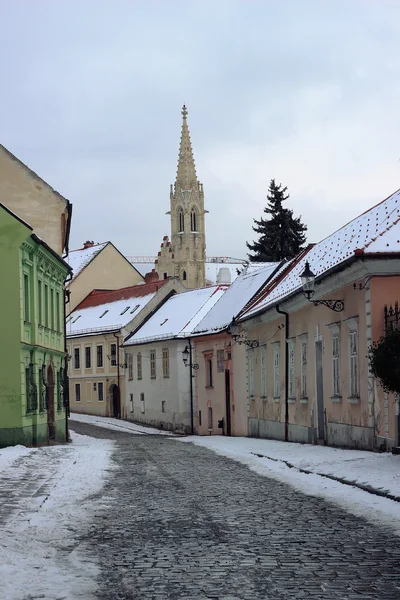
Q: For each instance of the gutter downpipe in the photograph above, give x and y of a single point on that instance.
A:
(283, 312)
(67, 295)
(191, 387)
(119, 388)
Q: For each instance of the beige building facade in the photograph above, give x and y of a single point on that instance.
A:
(184, 256)
(35, 201)
(99, 266)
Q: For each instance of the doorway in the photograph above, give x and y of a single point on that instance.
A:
(115, 401)
(320, 390)
(51, 427)
(228, 401)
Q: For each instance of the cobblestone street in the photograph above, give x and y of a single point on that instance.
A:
(187, 523)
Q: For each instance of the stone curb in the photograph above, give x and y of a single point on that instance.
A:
(365, 488)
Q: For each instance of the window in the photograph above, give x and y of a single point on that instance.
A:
(181, 220)
(95, 386)
(209, 372)
(130, 367)
(277, 381)
(165, 362)
(26, 298)
(184, 276)
(99, 356)
(77, 361)
(250, 371)
(78, 392)
(152, 364)
(165, 275)
(113, 355)
(354, 383)
(163, 406)
(131, 402)
(304, 367)
(58, 313)
(193, 220)
(100, 395)
(210, 418)
(30, 390)
(139, 365)
(336, 365)
(292, 369)
(46, 305)
(40, 303)
(125, 309)
(220, 361)
(102, 314)
(199, 418)
(88, 357)
(142, 407)
(263, 360)
(51, 308)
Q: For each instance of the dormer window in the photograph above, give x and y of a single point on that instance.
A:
(135, 308)
(181, 220)
(78, 317)
(104, 313)
(124, 311)
(193, 220)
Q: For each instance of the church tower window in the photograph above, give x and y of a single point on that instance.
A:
(181, 220)
(184, 276)
(193, 220)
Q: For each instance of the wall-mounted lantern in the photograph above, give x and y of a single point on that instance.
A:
(308, 283)
(187, 358)
(239, 338)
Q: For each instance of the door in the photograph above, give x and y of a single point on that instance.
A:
(115, 402)
(50, 403)
(320, 391)
(228, 401)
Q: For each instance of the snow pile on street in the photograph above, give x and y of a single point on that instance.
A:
(9, 455)
(52, 499)
(116, 425)
(266, 457)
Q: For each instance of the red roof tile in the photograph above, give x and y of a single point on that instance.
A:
(98, 297)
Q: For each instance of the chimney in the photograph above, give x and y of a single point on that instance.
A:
(88, 244)
(151, 277)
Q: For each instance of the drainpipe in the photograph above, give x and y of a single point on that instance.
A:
(119, 389)
(66, 381)
(283, 312)
(191, 387)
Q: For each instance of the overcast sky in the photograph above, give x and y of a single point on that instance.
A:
(303, 91)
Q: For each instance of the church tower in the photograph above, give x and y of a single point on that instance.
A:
(185, 255)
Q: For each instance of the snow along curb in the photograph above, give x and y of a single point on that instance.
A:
(364, 487)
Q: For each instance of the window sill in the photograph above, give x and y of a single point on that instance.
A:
(130, 378)
(292, 400)
(304, 400)
(209, 387)
(276, 399)
(354, 399)
(336, 399)
(264, 398)
(153, 378)
(165, 376)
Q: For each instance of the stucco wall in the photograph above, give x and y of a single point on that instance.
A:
(109, 270)
(173, 391)
(33, 201)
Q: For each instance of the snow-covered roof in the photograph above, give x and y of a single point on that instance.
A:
(242, 290)
(79, 259)
(374, 232)
(179, 316)
(109, 316)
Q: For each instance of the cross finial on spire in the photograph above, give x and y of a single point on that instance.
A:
(184, 111)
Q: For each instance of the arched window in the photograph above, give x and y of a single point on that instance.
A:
(181, 220)
(193, 220)
(184, 276)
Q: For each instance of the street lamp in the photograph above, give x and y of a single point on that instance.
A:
(308, 282)
(238, 338)
(187, 359)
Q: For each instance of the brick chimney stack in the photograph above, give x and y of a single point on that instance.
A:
(88, 244)
(151, 277)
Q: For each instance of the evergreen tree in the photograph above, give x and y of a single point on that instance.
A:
(281, 235)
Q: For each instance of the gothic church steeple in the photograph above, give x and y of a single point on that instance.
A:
(185, 255)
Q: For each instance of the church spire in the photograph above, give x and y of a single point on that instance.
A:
(186, 175)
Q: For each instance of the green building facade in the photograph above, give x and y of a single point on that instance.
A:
(33, 383)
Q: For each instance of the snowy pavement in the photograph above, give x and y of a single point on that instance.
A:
(47, 503)
(271, 458)
(117, 425)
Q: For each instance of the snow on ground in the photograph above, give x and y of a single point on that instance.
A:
(51, 498)
(117, 424)
(9, 455)
(380, 471)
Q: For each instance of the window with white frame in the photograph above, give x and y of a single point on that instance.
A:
(165, 362)
(131, 402)
(210, 417)
(130, 367)
(336, 364)
(304, 369)
(277, 379)
(292, 369)
(263, 360)
(139, 365)
(100, 394)
(142, 407)
(250, 371)
(152, 364)
(354, 381)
